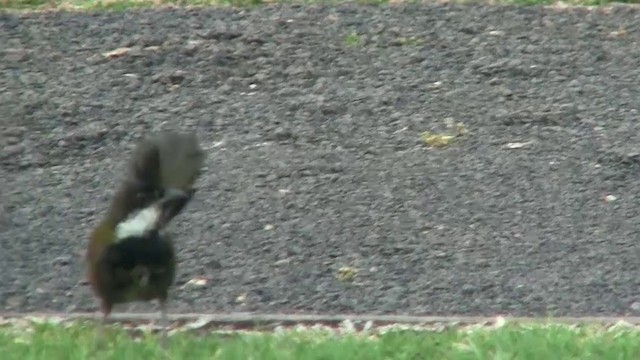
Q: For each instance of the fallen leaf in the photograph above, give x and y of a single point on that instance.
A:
(435, 85)
(282, 262)
(461, 130)
(198, 324)
(436, 140)
(199, 281)
(517, 145)
(116, 52)
(347, 326)
(347, 273)
(618, 33)
(241, 298)
(331, 18)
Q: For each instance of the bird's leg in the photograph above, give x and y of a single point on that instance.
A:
(106, 311)
(164, 322)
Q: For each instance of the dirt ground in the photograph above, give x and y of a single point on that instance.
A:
(311, 118)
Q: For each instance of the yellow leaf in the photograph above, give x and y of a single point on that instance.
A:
(116, 52)
(346, 273)
(436, 140)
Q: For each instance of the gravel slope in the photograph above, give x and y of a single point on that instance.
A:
(315, 157)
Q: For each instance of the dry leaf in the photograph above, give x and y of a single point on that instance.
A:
(436, 140)
(461, 130)
(116, 53)
(435, 85)
(517, 145)
(347, 273)
(198, 324)
(618, 33)
(331, 17)
(199, 281)
(282, 262)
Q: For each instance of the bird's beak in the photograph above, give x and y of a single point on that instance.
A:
(173, 201)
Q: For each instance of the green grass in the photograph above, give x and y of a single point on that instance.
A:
(352, 39)
(129, 4)
(511, 341)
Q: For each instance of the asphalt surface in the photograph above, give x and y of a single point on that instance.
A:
(311, 118)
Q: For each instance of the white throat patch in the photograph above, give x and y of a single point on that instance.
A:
(139, 223)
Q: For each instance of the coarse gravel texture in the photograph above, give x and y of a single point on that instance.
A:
(311, 118)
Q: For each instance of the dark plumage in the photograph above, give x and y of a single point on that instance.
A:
(130, 256)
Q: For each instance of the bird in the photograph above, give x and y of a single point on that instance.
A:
(130, 255)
